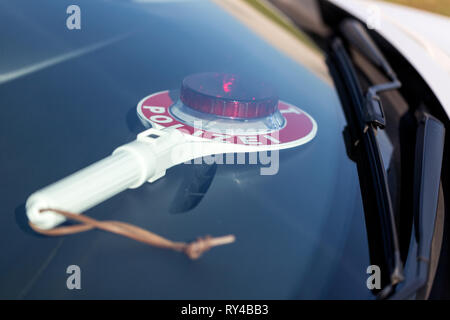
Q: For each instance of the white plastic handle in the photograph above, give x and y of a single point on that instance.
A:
(145, 159)
(128, 167)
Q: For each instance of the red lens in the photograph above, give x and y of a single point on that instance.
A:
(228, 95)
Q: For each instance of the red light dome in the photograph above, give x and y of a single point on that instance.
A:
(228, 96)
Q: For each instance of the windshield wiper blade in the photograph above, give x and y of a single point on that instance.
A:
(428, 162)
(367, 117)
(356, 34)
(427, 174)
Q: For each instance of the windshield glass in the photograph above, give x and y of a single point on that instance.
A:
(69, 98)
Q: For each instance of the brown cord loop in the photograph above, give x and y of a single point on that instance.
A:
(193, 250)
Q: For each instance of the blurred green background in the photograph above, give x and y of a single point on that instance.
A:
(436, 6)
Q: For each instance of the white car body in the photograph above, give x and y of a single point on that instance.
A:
(421, 37)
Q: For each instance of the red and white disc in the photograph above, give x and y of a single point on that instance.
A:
(299, 127)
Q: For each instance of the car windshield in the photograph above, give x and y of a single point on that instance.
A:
(69, 98)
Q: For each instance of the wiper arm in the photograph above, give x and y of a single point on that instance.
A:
(374, 114)
(357, 35)
(427, 174)
(367, 117)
